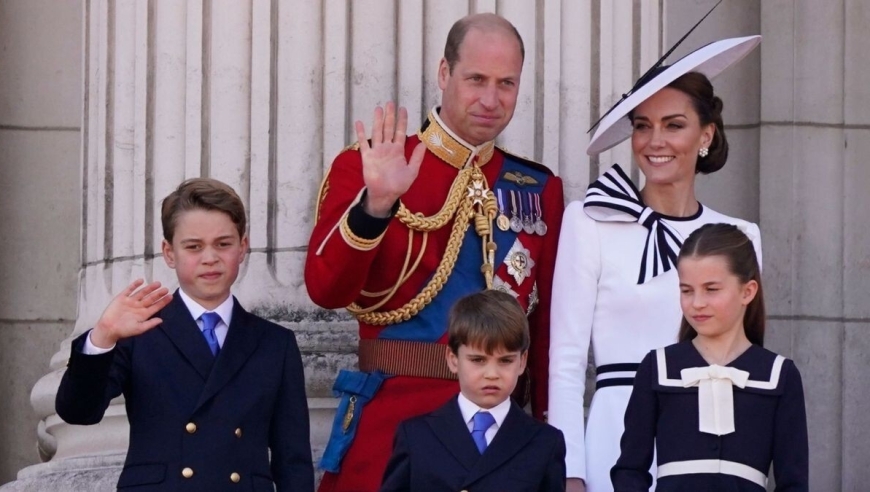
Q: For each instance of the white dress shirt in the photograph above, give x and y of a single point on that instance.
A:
(499, 412)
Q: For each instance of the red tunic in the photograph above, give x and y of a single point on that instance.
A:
(337, 270)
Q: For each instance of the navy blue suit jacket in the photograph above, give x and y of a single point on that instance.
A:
(435, 452)
(217, 417)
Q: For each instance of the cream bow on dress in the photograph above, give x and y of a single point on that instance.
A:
(715, 395)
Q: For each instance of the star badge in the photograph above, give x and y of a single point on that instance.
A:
(501, 285)
(519, 262)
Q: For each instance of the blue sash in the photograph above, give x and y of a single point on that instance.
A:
(430, 323)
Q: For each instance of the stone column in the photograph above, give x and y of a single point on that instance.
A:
(814, 143)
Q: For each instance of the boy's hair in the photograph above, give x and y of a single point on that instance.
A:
(202, 194)
(488, 320)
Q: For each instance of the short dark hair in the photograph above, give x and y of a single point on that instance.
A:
(202, 194)
(488, 320)
(487, 22)
(730, 243)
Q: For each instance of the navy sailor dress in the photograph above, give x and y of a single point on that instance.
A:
(714, 428)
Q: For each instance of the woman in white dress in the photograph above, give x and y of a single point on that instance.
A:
(615, 282)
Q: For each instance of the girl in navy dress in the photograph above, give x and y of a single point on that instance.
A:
(717, 407)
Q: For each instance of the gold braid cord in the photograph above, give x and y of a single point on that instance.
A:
(418, 222)
(480, 204)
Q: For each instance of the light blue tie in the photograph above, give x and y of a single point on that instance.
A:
(209, 321)
(482, 422)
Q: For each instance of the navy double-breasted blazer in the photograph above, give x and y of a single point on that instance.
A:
(199, 422)
(435, 452)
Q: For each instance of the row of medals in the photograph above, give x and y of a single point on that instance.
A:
(525, 211)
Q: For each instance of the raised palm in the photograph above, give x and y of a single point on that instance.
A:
(130, 313)
(386, 172)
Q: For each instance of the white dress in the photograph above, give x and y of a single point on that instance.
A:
(597, 298)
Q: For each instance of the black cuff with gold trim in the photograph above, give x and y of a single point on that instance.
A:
(364, 225)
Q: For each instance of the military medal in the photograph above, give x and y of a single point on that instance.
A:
(540, 225)
(502, 221)
(533, 299)
(519, 262)
(501, 285)
(477, 192)
(516, 223)
(528, 226)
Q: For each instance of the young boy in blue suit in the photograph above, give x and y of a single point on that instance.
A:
(215, 395)
(480, 440)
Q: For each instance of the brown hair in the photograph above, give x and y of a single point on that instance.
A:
(488, 320)
(708, 106)
(485, 22)
(728, 242)
(202, 194)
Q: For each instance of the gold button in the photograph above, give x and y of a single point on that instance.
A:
(187, 472)
(239, 432)
(235, 477)
(190, 427)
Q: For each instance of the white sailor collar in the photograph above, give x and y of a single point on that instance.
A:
(765, 369)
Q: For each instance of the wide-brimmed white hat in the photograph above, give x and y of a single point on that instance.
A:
(711, 60)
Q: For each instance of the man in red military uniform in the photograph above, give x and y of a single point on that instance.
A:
(407, 225)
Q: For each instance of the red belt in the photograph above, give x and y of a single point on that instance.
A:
(404, 358)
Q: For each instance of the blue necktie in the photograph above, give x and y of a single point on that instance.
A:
(482, 422)
(209, 321)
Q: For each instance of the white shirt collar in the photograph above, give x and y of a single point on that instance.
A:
(468, 409)
(224, 310)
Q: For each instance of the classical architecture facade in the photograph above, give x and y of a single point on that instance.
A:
(106, 105)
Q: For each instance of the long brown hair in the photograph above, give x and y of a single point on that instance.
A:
(736, 248)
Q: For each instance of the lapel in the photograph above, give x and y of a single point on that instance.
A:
(180, 327)
(242, 339)
(516, 431)
(450, 428)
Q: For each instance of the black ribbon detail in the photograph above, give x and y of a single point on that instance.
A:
(614, 198)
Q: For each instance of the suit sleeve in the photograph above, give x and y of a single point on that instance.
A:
(289, 438)
(397, 476)
(554, 481)
(631, 472)
(91, 382)
(539, 322)
(790, 445)
(575, 291)
(344, 241)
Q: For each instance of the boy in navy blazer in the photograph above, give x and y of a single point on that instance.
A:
(215, 395)
(480, 440)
